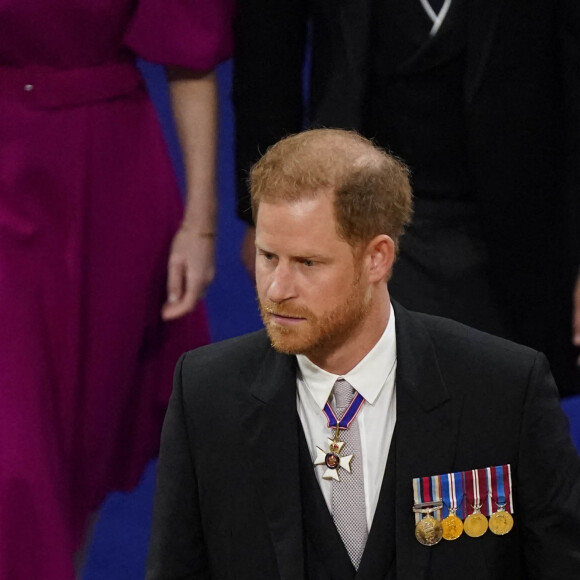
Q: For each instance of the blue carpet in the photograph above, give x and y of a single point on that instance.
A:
(120, 545)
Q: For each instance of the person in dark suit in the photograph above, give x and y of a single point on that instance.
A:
(482, 101)
(252, 483)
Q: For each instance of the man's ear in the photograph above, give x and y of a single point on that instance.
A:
(379, 258)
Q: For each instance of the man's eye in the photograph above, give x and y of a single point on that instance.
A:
(308, 263)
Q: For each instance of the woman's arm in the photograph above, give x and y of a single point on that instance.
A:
(191, 260)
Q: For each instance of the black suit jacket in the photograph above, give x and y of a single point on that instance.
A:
(522, 120)
(230, 499)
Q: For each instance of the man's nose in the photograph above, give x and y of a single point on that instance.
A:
(282, 285)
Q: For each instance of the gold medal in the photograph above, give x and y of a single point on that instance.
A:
(452, 492)
(475, 524)
(429, 531)
(452, 527)
(501, 522)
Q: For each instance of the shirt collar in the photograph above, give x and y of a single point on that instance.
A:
(367, 377)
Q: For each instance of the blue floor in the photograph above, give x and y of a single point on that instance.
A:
(120, 544)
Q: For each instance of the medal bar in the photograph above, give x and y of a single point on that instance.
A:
(447, 505)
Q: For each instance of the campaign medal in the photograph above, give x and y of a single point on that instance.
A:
(428, 531)
(475, 524)
(501, 522)
(452, 490)
(427, 498)
(332, 458)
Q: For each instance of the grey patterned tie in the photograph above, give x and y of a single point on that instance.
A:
(348, 494)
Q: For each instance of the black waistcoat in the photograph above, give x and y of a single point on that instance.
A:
(416, 95)
(325, 556)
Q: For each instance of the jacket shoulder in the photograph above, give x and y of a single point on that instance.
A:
(461, 347)
(445, 328)
(234, 356)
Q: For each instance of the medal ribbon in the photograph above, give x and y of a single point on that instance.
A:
(500, 485)
(436, 493)
(349, 415)
(485, 487)
(452, 491)
(507, 482)
(476, 491)
(427, 490)
(417, 497)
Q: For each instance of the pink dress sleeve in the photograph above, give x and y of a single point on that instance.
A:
(194, 34)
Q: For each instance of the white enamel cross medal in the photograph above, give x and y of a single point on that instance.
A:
(332, 458)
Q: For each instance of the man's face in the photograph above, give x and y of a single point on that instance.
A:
(311, 288)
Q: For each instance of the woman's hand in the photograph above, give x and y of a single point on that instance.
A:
(190, 270)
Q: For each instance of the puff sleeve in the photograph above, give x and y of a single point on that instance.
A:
(194, 34)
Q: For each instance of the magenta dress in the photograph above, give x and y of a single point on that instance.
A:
(88, 208)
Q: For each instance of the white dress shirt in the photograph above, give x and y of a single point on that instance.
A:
(374, 378)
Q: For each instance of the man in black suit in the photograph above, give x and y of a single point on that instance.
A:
(481, 99)
(252, 482)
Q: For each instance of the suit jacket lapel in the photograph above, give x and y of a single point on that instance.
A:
(433, 50)
(482, 21)
(427, 431)
(270, 423)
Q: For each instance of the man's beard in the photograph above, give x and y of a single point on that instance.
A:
(316, 335)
